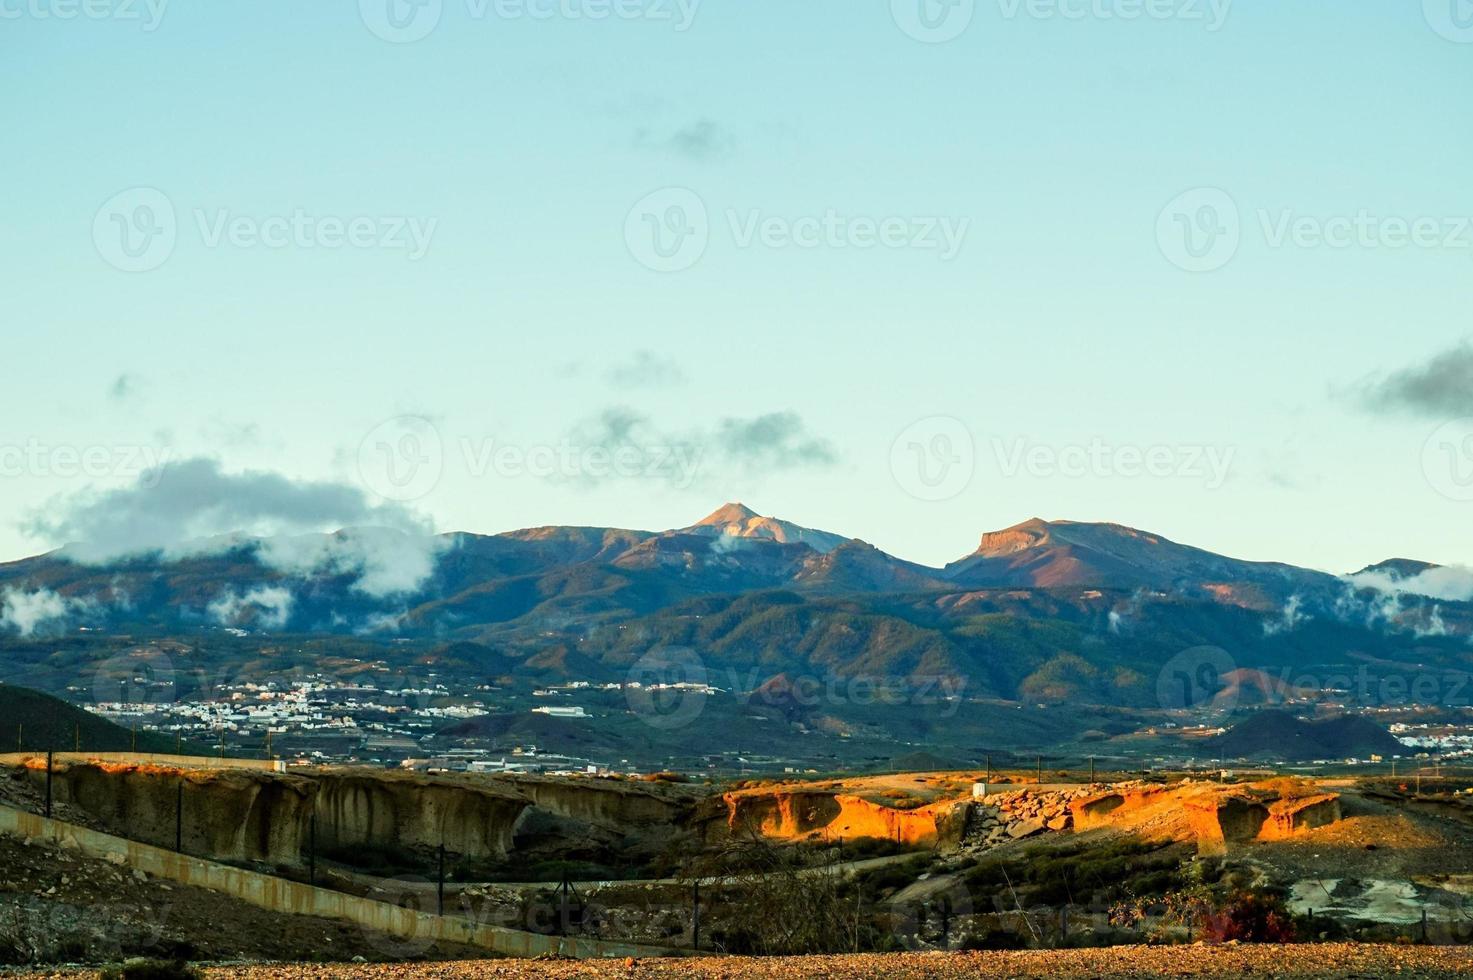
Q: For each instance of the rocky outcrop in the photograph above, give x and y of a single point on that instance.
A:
(265, 817)
(1222, 817)
(792, 814)
(415, 813)
(231, 815)
(1111, 806)
(604, 802)
(1292, 816)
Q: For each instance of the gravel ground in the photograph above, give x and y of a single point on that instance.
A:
(1338, 961)
(58, 906)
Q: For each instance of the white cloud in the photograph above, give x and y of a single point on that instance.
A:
(1289, 619)
(1453, 583)
(384, 561)
(192, 507)
(269, 607)
(26, 612)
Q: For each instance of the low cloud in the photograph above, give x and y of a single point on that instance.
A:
(268, 607)
(193, 507)
(1290, 618)
(1442, 387)
(28, 612)
(382, 561)
(1400, 601)
(1452, 583)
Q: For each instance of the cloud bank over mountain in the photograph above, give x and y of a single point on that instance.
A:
(194, 507)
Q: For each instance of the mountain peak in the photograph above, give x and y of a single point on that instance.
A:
(1055, 554)
(740, 521)
(1397, 568)
(1019, 537)
(733, 513)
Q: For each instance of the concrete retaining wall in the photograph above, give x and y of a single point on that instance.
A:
(144, 759)
(293, 898)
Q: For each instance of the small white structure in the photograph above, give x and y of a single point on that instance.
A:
(576, 711)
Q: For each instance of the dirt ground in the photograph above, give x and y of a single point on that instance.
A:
(1375, 840)
(56, 906)
(1137, 963)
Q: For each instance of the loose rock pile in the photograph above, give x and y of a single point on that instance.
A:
(998, 818)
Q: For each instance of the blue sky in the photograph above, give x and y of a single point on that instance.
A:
(502, 172)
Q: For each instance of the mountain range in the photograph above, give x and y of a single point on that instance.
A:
(1046, 610)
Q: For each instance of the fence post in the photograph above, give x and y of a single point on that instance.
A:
(179, 815)
(48, 785)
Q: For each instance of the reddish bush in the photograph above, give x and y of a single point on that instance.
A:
(1249, 917)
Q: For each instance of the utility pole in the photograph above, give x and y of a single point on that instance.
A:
(1091, 770)
(695, 916)
(48, 785)
(179, 815)
(1040, 770)
(440, 888)
(78, 746)
(989, 769)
